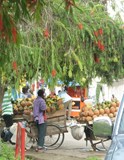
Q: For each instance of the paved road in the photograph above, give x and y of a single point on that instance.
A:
(71, 149)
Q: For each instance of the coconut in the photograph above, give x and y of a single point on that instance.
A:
(111, 115)
(112, 109)
(88, 118)
(107, 110)
(91, 113)
(101, 111)
(96, 112)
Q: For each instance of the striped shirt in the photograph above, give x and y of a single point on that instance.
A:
(7, 108)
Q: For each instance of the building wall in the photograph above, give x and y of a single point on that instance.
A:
(117, 88)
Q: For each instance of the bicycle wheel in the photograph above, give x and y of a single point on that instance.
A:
(101, 144)
(54, 136)
(106, 143)
(97, 143)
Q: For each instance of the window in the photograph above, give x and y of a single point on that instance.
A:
(121, 127)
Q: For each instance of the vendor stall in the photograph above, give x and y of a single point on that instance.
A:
(76, 94)
(56, 119)
(97, 121)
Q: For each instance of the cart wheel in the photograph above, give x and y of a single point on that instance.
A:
(100, 145)
(106, 143)
(97, 143)
(54, 136)
(12, 142)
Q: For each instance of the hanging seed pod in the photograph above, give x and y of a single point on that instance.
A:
(69, 4)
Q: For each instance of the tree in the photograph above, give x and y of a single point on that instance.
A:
(66, 40)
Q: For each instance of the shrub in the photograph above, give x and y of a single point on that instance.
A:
(7, 152)
(93, 158)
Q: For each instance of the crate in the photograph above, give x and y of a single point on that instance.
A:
(58, 113)
(58, 118)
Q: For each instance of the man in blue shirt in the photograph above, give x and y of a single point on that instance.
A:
(67, 100)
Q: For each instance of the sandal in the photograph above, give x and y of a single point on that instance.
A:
(40, 149)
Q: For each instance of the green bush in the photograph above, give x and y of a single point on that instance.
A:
(7, 152)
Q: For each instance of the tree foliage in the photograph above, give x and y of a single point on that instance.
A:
(67, 40)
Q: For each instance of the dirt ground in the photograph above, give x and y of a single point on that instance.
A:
(71, 149)
(70, 154)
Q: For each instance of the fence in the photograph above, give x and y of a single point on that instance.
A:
(20, 142)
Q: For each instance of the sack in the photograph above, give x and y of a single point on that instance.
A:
(102, 127)
(77, 132)
(6, 135)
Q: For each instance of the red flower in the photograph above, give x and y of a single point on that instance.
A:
(96, 33)
(46, 33)
(14, 34)
(99, 44)
(14, 65)
(80, 26)
(102, 47)
(1, 23)
(96, 58)
(100, 31)
(53, 73)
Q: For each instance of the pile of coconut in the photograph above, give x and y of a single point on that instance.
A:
(107, 108)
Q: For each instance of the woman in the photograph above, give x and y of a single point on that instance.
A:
(39, 118)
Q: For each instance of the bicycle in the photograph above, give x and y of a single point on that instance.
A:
(56, 127)
(97, 143)
(54, 135)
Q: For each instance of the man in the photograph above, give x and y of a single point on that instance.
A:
(67, 100)
(7, 109)
(40, 119)
(26, 93)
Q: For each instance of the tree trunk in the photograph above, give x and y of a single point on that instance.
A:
(1, 93)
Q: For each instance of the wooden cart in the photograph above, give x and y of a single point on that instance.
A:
(100, 142)
(56, 127)
(97, 143)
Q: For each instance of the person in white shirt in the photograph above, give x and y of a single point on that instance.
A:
(67, 100)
